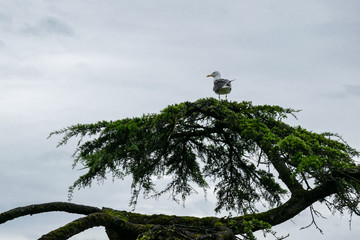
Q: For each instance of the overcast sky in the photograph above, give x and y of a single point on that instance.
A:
(67, 62)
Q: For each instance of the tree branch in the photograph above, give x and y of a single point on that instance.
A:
(47, 207)
(284, 173)
(82, 224)
(298, 202)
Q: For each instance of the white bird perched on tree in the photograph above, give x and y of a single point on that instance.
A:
(221, 85)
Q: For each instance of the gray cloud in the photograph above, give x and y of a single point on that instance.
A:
(54, 25)
(352, 90)
(68, 62)
(49, 26)
(344, 93)
(5, 19)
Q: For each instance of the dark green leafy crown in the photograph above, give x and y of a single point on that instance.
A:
(242, 148)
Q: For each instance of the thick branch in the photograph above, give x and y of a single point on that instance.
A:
(132, 224)
(82, 224)
(285, 174)
(47, 207)
(298, 202)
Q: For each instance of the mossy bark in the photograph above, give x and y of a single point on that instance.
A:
(122, 225)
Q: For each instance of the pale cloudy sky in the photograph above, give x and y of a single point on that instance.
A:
(66, 62)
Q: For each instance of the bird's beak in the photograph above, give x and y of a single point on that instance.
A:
(209, 75)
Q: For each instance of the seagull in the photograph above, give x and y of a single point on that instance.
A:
(221, 85)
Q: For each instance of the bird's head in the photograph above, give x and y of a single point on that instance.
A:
(215, 75)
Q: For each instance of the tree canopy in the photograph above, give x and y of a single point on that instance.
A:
(237, 145)
(247, 152)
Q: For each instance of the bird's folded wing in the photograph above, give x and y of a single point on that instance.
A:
(219, 83)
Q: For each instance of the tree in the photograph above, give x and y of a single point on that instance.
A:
(248, 152)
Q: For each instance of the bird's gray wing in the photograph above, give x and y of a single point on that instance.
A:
(219, 83)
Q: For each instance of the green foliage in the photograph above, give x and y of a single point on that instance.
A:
(236, 145)
(249, 226)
